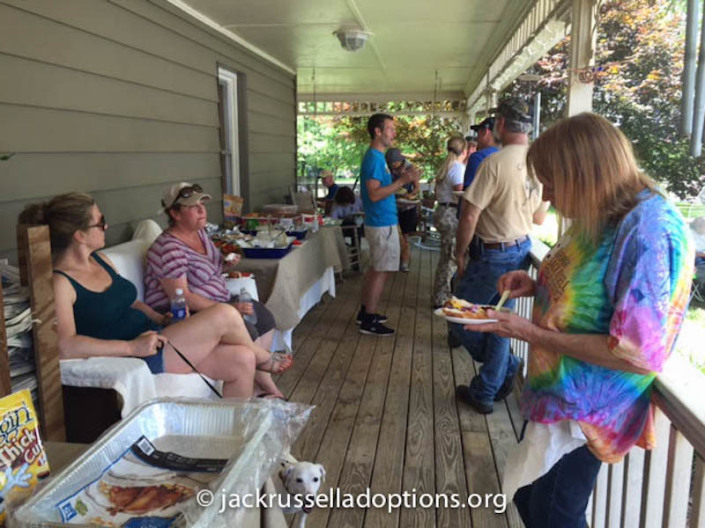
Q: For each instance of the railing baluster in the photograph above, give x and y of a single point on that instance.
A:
(697, 515)
(655, 464)
(600, 499)
(633, 479)
(615, 493)
(680, 459)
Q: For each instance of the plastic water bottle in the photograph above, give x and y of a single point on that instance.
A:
(178, 306)
(245, 297)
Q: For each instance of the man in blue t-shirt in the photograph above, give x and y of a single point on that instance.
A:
(486, 146)
(380, 206)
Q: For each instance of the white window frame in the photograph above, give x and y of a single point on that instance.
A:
(231, 133)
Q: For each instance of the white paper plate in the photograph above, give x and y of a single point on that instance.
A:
(404, 201)
(460, 320)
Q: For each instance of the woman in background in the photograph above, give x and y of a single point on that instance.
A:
(346, 204)
(449, 180)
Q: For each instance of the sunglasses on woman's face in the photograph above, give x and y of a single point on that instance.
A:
(187, 192)
(101, 223)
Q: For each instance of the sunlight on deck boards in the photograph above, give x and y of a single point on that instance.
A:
(386, 416)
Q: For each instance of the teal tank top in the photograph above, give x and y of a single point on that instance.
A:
(108, 314)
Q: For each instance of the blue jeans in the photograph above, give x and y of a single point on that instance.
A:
(560, 497)
(479, 285)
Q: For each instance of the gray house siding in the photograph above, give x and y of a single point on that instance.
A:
(119, 98)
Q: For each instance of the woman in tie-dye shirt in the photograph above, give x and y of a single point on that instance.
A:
(609, 302)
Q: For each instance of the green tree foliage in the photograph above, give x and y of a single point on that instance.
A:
(332, 143)
(339, 142)
(639, 60)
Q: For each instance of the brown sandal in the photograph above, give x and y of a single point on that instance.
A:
(277, 363)
(272, 396)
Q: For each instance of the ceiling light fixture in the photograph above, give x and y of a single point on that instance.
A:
(352, 39)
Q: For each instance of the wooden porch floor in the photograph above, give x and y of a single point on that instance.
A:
(386, 416)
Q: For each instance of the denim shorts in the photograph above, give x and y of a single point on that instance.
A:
(155, 362)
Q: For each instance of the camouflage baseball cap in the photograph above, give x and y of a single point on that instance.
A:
(513, 109)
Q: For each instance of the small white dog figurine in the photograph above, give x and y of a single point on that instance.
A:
(298, 480)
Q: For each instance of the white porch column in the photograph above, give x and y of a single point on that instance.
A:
(469, 121)
(490, 100)
(582, 55)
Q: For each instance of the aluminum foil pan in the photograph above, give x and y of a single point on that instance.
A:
(252, 436)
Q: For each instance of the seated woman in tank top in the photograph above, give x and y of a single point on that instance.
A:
(98, 314)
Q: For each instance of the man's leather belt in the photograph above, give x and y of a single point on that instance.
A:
(447, 204)
(502, 245)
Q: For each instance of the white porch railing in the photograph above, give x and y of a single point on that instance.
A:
(660, 488)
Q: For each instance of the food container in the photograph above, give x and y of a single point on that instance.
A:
(251, 223)
(251, 436)
(266, 253)
(311, 219)
(280, 209)
(298, 234)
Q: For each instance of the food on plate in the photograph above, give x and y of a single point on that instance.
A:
(402, 192)
(465, 310)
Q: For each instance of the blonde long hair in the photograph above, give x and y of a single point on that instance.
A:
(592, 169)
(456, 147)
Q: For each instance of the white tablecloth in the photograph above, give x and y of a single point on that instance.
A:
(286, 285)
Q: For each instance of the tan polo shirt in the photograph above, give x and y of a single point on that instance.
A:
(506, 195)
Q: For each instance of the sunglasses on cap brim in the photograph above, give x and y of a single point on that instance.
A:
(186, 192)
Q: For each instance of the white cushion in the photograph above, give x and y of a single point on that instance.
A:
(147, 230)
(128, 259)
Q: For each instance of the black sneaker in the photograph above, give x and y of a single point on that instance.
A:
(378, 317)
(453, 340)
(462, 392)
(376, 328)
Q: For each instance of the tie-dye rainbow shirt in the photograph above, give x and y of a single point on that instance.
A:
(634, 288)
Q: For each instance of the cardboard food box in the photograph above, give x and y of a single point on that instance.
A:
(232, 209)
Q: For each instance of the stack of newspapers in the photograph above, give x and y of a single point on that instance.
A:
(18, 323)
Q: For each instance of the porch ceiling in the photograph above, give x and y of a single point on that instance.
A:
(417, 46)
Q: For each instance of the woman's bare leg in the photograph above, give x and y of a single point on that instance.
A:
(203, 331)
(264, 384)
(234, 365)
(265, 340)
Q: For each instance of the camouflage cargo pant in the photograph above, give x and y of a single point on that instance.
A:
(446, 223)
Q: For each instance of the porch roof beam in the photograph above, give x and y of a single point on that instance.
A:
(544, 26)
(363, 108)
(450, 104)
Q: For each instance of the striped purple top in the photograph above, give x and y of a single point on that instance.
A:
(171, 258)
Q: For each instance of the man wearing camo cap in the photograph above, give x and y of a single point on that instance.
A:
(496, 217)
